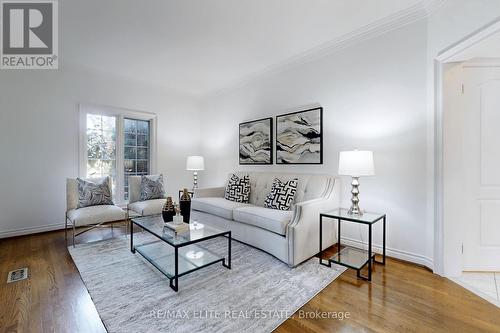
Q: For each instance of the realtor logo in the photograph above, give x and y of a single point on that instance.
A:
(29, 38)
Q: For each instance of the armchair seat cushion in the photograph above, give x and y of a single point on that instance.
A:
(147, 207)
(216, 206)
(270, 219)
(96, 214)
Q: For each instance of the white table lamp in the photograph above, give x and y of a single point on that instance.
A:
(195, 164)
(356, 164)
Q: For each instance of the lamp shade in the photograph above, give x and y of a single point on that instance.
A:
(195, 163)
(356, 163)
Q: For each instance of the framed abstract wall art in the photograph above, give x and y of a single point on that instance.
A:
(256, 142)
(299, 137)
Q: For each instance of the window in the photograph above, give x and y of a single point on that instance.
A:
(116, 143)
(136, 149)
(101, 147)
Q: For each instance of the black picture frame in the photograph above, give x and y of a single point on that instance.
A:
(271, 142)
(280, 160)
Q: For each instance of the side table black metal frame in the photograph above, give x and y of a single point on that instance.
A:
(370, 254)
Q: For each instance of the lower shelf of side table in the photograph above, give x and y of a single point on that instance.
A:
(351, 257)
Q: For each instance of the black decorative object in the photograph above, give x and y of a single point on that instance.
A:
(299, 137)
(168, 210)
(256, 142)
(185, 205)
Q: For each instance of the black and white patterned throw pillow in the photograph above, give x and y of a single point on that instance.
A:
(94, 194)
(238, 189)
(281, 195)
(152, 188)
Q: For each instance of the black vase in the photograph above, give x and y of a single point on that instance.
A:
(185, 207)
(168, 216)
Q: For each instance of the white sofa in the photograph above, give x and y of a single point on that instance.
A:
(135, 206)
(291, 236)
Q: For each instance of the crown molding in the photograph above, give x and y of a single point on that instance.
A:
(375, 29)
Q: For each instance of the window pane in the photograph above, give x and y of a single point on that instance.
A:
(101, 146)
(142, 167)
(130, 125)
(130, 139)
(142, 140)
(130, 153)
(94, 122)
(108, 123)
(143, 127)
(142, 153)
(130, 166)
(136, 149)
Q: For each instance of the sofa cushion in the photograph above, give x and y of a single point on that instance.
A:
(309, 186)
(96, 214)
(148, 207)
(270, 219)
(216, 206)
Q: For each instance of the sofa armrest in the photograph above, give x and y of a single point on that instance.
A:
(303, 230)
(211, 192)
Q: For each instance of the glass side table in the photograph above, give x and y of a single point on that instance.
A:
(352, 257)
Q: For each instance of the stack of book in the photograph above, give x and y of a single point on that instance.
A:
(177, 227)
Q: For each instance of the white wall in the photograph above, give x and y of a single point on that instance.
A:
(374, 97)
(39, 138)
(377, 95)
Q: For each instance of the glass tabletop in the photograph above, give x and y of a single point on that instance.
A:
(343, 214)
(155, 225)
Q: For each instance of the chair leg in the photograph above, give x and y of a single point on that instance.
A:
(127, 222)
(73, 234)
(66, 229)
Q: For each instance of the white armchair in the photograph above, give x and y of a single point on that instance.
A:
(93, 216)
(135, 206)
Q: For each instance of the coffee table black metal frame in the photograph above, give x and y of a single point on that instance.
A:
(174, 279)
(368, 219)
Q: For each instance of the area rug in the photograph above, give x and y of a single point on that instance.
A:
(256, 295)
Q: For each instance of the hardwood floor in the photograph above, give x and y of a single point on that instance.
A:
(401, 298)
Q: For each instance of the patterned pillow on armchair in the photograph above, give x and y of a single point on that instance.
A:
(152, 187)
(94, 194)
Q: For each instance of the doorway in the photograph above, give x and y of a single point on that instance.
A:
(471, 167)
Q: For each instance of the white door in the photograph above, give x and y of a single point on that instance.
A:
(481, 168)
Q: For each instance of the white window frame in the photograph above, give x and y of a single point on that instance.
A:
(120, 114)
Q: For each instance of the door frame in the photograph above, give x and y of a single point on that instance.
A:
(440, 238)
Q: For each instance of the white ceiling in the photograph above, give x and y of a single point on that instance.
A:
(199, 46)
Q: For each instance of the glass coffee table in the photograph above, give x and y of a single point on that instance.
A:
(178, 254)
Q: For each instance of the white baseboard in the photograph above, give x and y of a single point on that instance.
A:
(31, 230)
(395, 253)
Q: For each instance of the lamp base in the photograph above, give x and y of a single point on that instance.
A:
(355, 210)
(195, 180)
